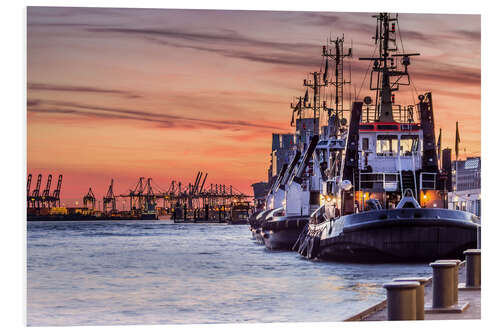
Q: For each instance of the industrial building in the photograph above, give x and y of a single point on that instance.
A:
(466, 185)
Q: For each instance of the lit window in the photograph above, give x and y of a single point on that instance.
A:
(387, 145)
(408, 144)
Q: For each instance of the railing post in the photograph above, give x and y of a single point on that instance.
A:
(420, 293)
(442, 284)
(479, 237)
(401, 300)
(473, 276)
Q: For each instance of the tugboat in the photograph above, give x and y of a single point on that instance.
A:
(256, 219)
(274, 199)
(282, 227)
(386, 203)
(302, 191)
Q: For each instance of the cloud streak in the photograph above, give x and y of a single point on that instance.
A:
(261, 57)
(290, 54)
(225, 37)
(164, 120)
(79, 89)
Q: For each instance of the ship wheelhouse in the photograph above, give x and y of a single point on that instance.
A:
(391, 162)
(390, 147)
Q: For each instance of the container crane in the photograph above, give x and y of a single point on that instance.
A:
(136, 195)
(46, 193)
(89, 198)
(150, 197)
(56, 194)
(109, 199)
(28, 187)
(35, 195)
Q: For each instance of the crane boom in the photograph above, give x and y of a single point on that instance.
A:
(203, 183)
(36, 191)
(28, 186)
(57, 191)
(46, 191)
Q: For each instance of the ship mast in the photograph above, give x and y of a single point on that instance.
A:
(337, 55)
(315, 85)
(385, 68)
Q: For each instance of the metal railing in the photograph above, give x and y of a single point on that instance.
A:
(388, 180)
(428, 180)
(401, 114)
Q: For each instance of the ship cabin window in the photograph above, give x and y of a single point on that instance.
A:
(408, 145)
(365, 144)
(387, 145)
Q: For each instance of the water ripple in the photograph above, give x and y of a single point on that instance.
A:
(157, 272)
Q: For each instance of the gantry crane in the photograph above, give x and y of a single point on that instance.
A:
(46, 193)
(136, 195)
(28, 187)
(89, 198)
(109, 199)
(35, 195)
(57, 192)
(150, 197)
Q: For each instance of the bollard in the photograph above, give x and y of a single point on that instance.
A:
(401, 300)
(442, 284)
(473, 275)
(455, 277)
(420, 293)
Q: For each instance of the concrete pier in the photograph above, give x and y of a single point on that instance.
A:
(472, 297)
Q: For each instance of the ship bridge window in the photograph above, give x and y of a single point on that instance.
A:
(408, 145)
(387, 145)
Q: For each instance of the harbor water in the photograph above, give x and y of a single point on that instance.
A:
(158, 272)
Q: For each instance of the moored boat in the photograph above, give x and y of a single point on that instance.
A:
(282, 228)
(387, 201)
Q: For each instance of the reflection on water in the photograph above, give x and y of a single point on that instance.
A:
(157, 272)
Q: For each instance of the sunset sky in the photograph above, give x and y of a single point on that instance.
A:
(124, 93)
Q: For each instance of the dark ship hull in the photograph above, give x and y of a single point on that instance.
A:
(282, 232)
(396, 235)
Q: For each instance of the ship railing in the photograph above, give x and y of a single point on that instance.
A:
(388, 180)
(401, 114)
(428, 180)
